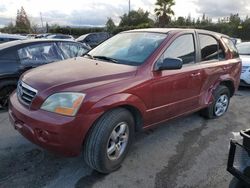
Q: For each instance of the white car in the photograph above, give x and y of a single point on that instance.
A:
(244, 51)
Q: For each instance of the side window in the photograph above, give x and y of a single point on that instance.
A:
(183, 48)
(210, 48)
(39, 54)
(89, 38)
(71, 50)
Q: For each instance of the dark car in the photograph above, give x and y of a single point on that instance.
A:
(60, 36)
(131, 82)
(93, 39)
(19, 56)
(10, 37)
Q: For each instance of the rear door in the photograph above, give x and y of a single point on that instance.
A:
(8, 63)
(178, 91)
(213, 62)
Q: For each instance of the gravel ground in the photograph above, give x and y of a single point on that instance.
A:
(187, 152)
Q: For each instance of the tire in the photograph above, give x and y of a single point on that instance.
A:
(235, 183)
(6, 88)
(222, 99)
(102, 138)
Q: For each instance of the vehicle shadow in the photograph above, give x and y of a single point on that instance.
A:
(2, 110)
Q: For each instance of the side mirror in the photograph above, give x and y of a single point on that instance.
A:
(170, 64)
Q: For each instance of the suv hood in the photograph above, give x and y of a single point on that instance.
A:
(245, 60)
(78, 73)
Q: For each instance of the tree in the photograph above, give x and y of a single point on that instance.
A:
(180, 21)
(110, 25)
(234, 19)
(164, 11)
(136, 18)
(22, 21)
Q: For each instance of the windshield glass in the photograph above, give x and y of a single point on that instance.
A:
(129, 48)
(244, 49)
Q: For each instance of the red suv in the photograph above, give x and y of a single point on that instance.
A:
(129, 83)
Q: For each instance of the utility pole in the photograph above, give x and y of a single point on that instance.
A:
(129, 6)
(41, 19)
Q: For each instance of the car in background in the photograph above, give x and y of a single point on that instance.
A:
(93, 39)
(244, 51)
(236, 41)
(60, 36)
(19, 56)
(43, 35)
(10, 37)
(130, 82)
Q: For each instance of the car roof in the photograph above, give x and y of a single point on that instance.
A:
(12, 36)
(167, 30)
(33, 41)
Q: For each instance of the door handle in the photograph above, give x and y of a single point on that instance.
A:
(195, 74)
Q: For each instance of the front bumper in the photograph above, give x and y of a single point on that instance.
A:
(57, 133)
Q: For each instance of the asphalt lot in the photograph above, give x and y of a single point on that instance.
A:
(187, 152)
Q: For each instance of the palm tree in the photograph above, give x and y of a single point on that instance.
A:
(164, 11)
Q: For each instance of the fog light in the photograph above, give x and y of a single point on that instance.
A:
(42, 135)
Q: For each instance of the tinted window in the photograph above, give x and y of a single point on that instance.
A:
(90, 38)
(39, 54)
(210, 48)
(183, 48)
(71, 50)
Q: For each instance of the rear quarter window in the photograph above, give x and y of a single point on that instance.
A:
(231, 46)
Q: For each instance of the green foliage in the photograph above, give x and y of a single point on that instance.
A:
(136, 18)
(164, 11)
(74, 31)
(110, 25)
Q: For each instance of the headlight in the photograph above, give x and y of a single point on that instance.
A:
(65, 103)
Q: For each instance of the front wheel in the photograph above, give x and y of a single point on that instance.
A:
(220, 105)
(109, 140)
(5, 94)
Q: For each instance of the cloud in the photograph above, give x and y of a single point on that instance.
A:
(92, 15)
(3, 8)
(4, 21)
(222, 8)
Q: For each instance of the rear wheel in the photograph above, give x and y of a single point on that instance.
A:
(109, 140)
(220, 105)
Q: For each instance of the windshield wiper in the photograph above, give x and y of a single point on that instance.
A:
(90, 56)
(106, 58)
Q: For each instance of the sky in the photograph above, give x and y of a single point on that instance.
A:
(96, 12)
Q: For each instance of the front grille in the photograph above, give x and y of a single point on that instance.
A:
(25, 93)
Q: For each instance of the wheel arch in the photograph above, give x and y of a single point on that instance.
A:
(230, 85)
(130, 102)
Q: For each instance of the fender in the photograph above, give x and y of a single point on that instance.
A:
(224, 78)
(117, 100)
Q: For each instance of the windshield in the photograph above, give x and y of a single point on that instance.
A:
(129, 48)
(244, 48)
